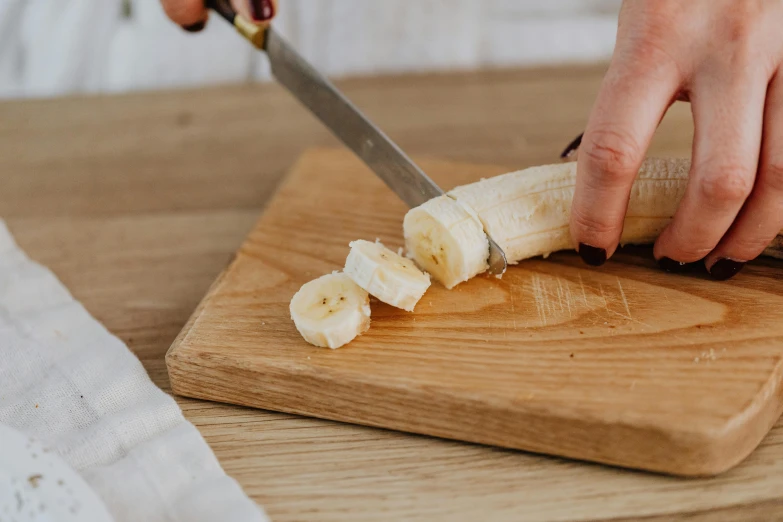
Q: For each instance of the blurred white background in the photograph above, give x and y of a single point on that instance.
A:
(56, 47)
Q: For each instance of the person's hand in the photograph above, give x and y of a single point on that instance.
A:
(192, 16)
(724, 56)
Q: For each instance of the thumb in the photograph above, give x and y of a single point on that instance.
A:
(189, 14)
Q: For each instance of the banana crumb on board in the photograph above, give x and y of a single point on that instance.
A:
(707, 355)
(400, 251)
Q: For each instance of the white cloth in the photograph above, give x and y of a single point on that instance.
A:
(67, 381)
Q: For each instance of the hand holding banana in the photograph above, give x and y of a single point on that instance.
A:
(725, 57)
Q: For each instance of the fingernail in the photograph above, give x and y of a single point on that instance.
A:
(725, 268)
(571, 147)
(262, 10)
(670, 265)
(591, 255)
(194, 28)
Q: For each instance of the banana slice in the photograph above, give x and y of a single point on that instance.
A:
(447, 240)
(331, 311)
(386, 275)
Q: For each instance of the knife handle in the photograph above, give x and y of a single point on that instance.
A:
(223, 8)
(255, 33)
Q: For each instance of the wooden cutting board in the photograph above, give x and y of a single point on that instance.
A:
(623, 364)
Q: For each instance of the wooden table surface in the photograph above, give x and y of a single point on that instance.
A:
(137, 202)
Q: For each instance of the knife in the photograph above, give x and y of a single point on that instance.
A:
(342, 117)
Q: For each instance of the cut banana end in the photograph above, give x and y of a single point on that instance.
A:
(386, 275)
(331, 311)
(447, 240)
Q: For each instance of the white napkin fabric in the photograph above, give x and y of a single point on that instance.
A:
(67, 381)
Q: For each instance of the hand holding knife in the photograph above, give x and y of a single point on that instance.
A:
(345, 121)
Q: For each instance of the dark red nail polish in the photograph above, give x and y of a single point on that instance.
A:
(194, 28)
(262, 10)
(571, 147)
(591, 255)
(725, 269)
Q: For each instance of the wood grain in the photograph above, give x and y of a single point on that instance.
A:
(624, 365)
(139, 227)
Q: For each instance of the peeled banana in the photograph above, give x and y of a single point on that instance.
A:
(386, 275)
(527, 213)
(447, 240)
(331, 311)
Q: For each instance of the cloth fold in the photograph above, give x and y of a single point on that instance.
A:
(67, 381)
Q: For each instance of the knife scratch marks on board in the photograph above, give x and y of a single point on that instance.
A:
(627, 315)
(556, 297)
(513, 309)
(538, 296)
(560, 294)
(582, 286)
(625, 301)
(566, 291)
(606, 304)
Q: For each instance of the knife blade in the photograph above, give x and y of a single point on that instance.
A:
(344, 119)
(348, 124)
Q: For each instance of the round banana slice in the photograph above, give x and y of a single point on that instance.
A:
(331, 311)
(447, 240)
(388, 276)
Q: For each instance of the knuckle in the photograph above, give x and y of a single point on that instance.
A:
(744, 22)
(690, 243)
(593, 224)
(645, 38)
(771, 176)
(654, 57)
(730, 184)
(612, 155)
(747, 248)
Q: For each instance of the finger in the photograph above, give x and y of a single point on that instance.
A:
(727, 111)
(258, 10)
(190, 14)
(761, 219)
(632, 100)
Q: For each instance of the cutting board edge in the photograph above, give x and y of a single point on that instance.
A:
(187, 328)
(697, 454)
(179, 357)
